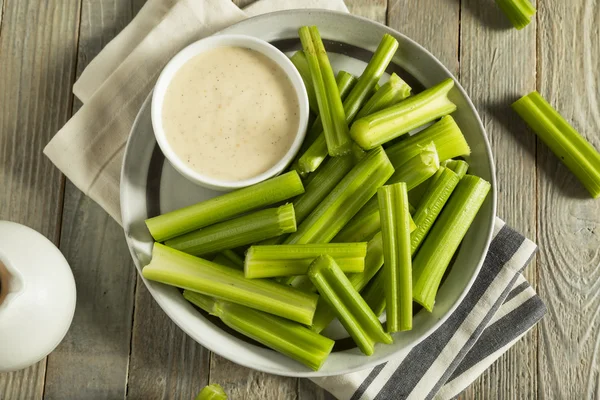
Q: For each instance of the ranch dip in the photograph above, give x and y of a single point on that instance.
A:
(230, 113)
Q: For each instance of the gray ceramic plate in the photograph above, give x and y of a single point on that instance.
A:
(150, 186)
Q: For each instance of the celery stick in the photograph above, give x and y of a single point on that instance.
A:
(314, 156)
(338, 139)
(349, 195)
(418, 169)
(519, 12)
(431, 205)
(179, 269)
(324, 314)
(237, 232)
(294, 259)
(352, 311)
(441, 243)
(460, 167)
(299, 61)
(374, 295)
(229, 258)
(392, 92)
(223, 207)
(212, 392)
(201, 301)
(385, 125)
(564, 141)
(445, 134)
(397, 267)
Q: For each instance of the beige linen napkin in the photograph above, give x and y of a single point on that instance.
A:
(89, 148)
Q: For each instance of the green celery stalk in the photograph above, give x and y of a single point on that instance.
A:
(431, 205)
(201, 301)
(441, 243)
(289, 338)
(221, 208)
(385, 125)
(237, 232)
(176, 268)
(519, 12)
(229, 258)
(397, 267)
(564, 141)
(314, 156)
(338, 139)
(392, 92)
(344, 201)
(324, 314)
(299, 61)
(295, 259)
(445, 134)
(212, 392)
(417, 169)
(374, 295)
(460, 167)
(352, 311)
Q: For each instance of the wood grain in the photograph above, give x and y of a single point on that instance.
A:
(569, 221)
(497, 66)
(37, 60)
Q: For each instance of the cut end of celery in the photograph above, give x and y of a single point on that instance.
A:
(519, 12)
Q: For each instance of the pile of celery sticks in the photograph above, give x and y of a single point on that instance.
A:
(365, 229)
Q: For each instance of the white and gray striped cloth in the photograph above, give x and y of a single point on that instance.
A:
(498, 310)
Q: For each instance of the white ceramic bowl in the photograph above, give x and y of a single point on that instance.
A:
(150, 186)
(200, 47)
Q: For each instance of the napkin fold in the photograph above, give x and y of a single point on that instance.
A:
(499, 309)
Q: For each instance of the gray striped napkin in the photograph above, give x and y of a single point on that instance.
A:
(498, 310)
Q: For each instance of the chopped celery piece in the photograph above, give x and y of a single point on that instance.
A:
(418, 169)
(348, 196)
(237, 232)
(519, 12)
(212, 392)
(374, 295)
(176, 268)
(397, 266)
(324, 314)
(294, 259)
(392, 92)
(299, 61)
(223, 207)
(431, 205)
(445, 134)
(201, 301)
(460, 167)
(350, 308)
(229, 258)
(289, 338)
(564, 141)
(314, 156)
(387, 124)
(447, 232)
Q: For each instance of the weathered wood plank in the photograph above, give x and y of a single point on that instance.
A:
(497, 65)
(569, 221)
(37, 60)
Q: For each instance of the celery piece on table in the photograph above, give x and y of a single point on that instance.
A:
(344, 201)
(460, 167)
(176, 268)
(229, 258)
(289, 338)
(295, 259)
(397, 266)
(299, 61)
(316, 153)
(387, 124)
(237, 232)
(431, 205)
(324, 314)
(374, 295)
(212, 392)
(350, 308)
(445, 134)
(220, 208)
(564, 141)
(447, 232)
(417, 169)
(519, 12)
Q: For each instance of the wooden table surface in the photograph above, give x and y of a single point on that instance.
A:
(122, 345)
